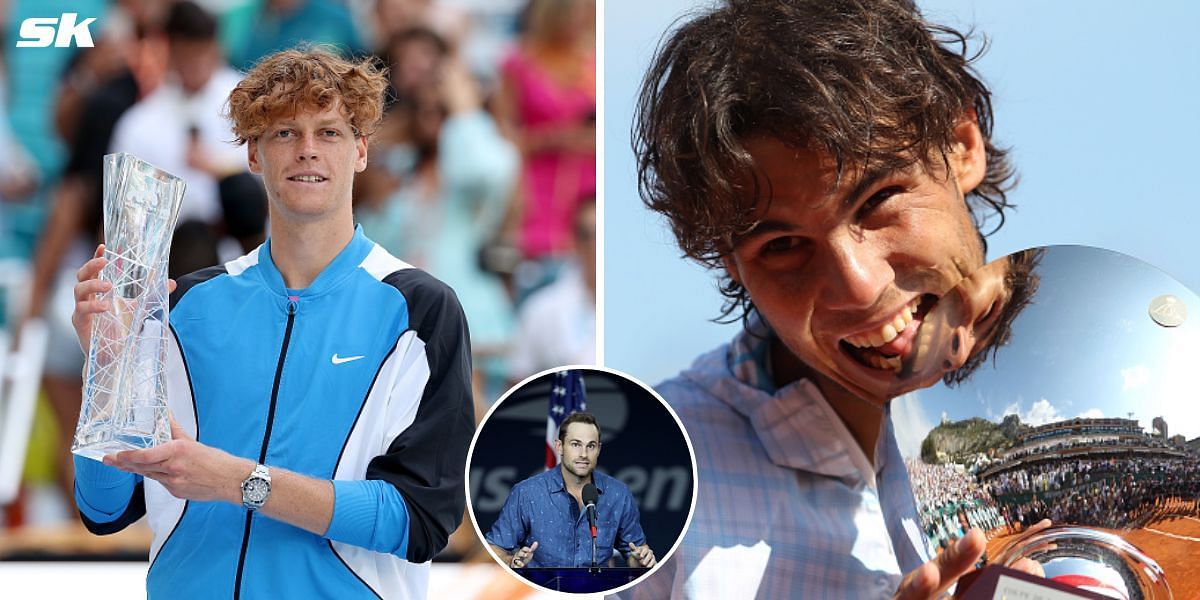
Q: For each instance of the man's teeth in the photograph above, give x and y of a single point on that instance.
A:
(888, 331)
(309, 178)
(883, 362)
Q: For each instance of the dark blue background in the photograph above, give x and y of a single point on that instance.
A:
(641, 445)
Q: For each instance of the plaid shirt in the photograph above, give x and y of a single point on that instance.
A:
(788, 506)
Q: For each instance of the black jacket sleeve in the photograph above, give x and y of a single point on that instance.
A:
(426, 462)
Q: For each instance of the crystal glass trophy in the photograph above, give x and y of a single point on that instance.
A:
(1072, 398)
(124, 394)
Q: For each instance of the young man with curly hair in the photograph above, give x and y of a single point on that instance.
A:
(319, 387)
(833, 160)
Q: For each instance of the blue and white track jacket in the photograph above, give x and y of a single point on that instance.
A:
(363, 378)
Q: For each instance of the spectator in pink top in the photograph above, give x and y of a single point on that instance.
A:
(547, 104)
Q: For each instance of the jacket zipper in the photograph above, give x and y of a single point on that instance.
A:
(262, 455)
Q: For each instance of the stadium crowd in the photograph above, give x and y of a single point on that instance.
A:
(950, 502)
(1111, 492)
(1124, 442)
(1125, 483)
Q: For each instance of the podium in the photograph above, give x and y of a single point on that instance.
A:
(581, 580)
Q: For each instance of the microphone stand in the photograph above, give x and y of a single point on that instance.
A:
(591, 512)
(590, 495)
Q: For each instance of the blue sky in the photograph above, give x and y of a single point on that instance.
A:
(1097, 100)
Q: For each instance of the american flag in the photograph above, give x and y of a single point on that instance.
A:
(566, 396)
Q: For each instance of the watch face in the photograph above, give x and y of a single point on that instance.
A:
(256, 490)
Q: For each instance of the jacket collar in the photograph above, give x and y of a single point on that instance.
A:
(342, 265)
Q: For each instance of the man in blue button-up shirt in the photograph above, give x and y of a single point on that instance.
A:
(544, 523)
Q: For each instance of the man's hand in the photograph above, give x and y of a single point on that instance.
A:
(188, 469)
(87, 303)
(1027, 565)
(936, 576)
(643, 555)
(522, 556)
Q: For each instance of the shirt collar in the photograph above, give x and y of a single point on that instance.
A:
(557, 484)
(749, 355)
(799, 430)
(795, 424)
(346, 262)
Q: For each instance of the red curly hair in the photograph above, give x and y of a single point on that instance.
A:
(287, 82)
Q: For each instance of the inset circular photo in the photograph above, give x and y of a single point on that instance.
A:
(581, 480)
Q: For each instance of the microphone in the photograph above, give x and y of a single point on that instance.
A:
(590, 496)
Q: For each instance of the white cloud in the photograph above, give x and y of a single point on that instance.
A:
(1091, 413)
(1134, 377)
(911, 424)
(1040, 413)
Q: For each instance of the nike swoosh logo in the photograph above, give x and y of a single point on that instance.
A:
(337, 360)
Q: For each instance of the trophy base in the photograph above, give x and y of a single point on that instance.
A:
(99, 449)
(995, 582)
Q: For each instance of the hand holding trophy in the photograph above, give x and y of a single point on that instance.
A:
(124, 398)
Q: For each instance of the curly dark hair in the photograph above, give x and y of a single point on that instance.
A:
(869, 82)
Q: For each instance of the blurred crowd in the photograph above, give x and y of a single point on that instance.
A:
(1111, 492)
(1144, 441)
(1107, 491)
(482, 173)
(951, 502)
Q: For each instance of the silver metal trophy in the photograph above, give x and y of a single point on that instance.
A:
(124, 395)
(1073, 399)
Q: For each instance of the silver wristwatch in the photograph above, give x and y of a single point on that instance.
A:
(256, 488)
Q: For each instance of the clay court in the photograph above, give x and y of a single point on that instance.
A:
(1173, 543)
